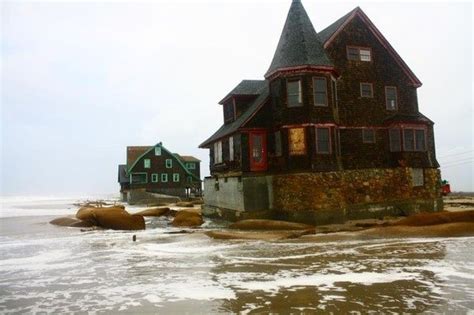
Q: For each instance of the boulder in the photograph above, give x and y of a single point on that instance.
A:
(434, 218)
(185, 218)
(154, 212)
(65, 221)
(256, 224)
(185, 204)
(115, 218)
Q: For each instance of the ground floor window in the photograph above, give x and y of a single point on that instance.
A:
(154, 178)
(164, 178)
(296, 141)
(368, 135)
(323, 141)
(138, 178)
(175, 177)
(417, 176)
(395, 141)
(414, 139)
(218, 152)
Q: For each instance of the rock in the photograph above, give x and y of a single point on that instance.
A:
(265, 236)
(154, 212)
(185, 204)
(65, 221)
(115, 218)
(187, 218)
(255, 224)
(82, 224)
(423, 219)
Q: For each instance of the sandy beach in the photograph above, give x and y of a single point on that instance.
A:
(46, 268)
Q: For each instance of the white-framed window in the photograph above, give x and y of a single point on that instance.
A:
(164, 178)
(414, 139)
(154, 178)
(359, 53)
(323, 140)
(366, 90)
(231, 148)
(417, 177)
(175, 177)
(391, 101)
(158, 151)
(146, 163)
(368, 135)
(217, 152)
(320, 91)
(169, 163)
(293, 93)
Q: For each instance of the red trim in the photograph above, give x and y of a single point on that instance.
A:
(358, 11)
(300, 69)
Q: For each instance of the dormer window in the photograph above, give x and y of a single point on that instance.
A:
(293, 93)
(359, 53)
(229, 112)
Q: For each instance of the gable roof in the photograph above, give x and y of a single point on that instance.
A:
(180, 163)
(133, 152)
(299, 44)
(228, 129)
(188, 158)
(245, 87)
(329, 33)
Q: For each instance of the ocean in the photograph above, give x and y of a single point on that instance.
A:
(46, 268)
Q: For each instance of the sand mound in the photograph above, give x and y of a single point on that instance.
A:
(115, 218)
(457, 229)
(424, 219)
(255, 224)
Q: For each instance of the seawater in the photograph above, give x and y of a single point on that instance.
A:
(45, 268)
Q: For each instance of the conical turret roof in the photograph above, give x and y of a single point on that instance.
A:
(299, 43)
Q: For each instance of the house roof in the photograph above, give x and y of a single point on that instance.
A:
(245, 87)
(326, 33)
(189, 158)
(133, 152)
(408, 118)
(174, 155)
(329, 33)
(122, 174)
(299, 44)
(232, 127)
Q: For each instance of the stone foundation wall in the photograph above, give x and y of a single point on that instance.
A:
(354, 194)
(323, 197)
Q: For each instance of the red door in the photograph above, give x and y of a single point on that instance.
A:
(258, 151)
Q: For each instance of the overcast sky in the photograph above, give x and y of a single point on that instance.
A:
(82, 80)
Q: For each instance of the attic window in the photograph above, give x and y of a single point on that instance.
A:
(157, 151)
(391, 97)
(190, 166)
(359, 53)
(229, 111)
(293, 92)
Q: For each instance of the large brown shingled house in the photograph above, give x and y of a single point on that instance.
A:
(332, 133)
(155, 169)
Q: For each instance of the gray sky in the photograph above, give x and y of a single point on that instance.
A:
(82, 80)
